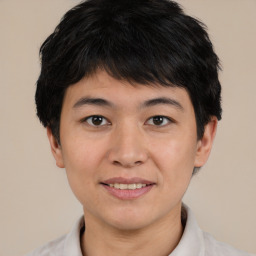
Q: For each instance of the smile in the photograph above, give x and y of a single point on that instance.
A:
(127, 189)
(127, 186)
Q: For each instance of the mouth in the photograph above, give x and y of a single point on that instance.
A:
(127, 189)
(132, 186)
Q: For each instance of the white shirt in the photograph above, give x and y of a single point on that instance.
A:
(194, 242)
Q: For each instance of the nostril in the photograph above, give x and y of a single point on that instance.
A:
(127, 164)
(116, 163)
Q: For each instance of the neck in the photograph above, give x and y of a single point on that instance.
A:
(159, 238)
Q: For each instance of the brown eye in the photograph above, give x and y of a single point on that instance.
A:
(97, 120)
(159, 120)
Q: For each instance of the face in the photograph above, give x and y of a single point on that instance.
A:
(129, 150)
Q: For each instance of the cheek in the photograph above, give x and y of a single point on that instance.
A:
(175, 159)
(82, 153)
(82, 159)
(175, 151)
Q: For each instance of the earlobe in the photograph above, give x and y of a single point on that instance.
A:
(204, 145)
(55, 148)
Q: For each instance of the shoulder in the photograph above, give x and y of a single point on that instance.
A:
(53, 248)
(216, 248)
(195, 242)
(65, 245)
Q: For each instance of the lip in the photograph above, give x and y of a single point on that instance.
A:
(126, 194)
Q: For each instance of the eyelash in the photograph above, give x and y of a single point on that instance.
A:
(166, 119)
(95, 116)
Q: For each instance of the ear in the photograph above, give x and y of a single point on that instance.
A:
(56, 148)
(204, 145)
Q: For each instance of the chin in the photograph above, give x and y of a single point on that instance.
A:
(130, 220)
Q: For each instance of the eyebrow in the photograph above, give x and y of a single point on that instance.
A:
(149, 103)
(92, 101)
(162, 100)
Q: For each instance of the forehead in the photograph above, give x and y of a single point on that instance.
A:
(122, 93)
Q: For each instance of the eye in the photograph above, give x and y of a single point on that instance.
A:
(96, 120)
(159, 120)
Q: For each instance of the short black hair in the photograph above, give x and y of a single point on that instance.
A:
(140, 41)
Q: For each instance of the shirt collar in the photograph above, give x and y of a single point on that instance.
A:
(72, 244)
(192, 241)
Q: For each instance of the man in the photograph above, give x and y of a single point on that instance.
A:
(130, 96)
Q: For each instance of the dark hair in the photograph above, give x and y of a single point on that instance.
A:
(141, 41)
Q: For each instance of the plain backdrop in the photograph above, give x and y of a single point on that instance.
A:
(36, 204)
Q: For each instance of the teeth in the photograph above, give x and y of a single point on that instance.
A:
(127, 186)
(122, 186)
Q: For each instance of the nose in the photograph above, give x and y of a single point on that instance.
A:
(128, 147)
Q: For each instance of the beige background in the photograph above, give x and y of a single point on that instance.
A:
(36, 204)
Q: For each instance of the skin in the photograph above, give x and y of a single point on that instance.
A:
(128, 143)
